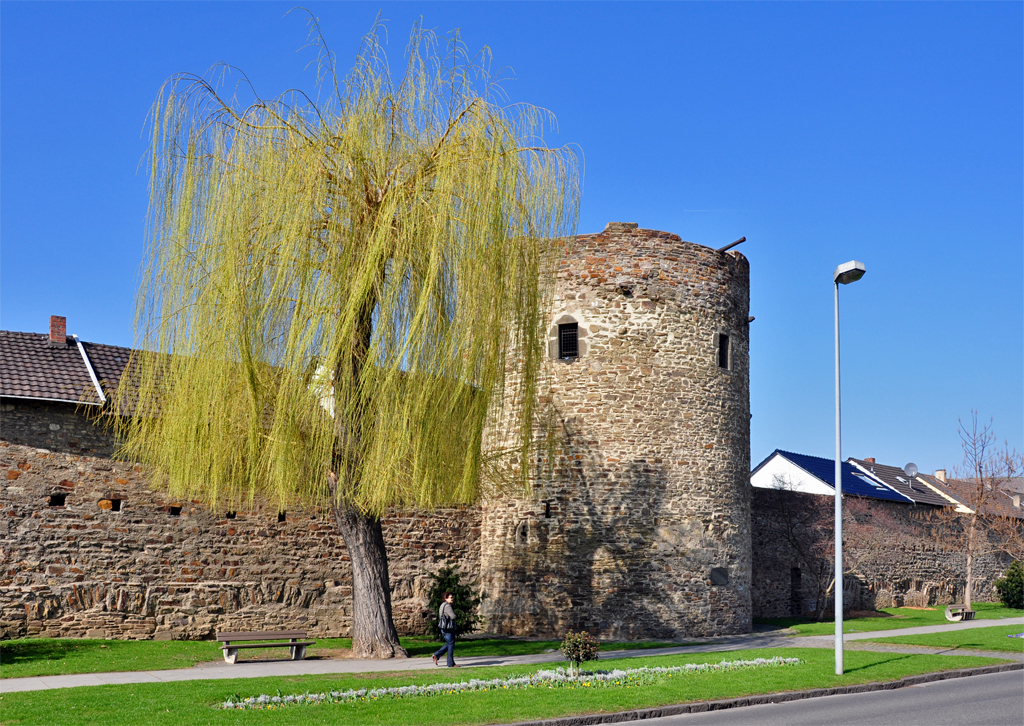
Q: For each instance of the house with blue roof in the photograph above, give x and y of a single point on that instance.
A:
(787, 471)
(895, 558)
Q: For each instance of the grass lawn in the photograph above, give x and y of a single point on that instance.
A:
(994, 638)
(64, 656)
(194, 702)
(898, 618)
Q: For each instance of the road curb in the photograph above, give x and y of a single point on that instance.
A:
(704, 706)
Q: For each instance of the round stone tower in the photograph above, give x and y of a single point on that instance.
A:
(639, 523)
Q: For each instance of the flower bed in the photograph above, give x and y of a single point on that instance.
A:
(557, 678)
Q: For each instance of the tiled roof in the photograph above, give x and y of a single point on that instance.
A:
(31, 368)
(108, 362)
(998, 502)
(854, 482)
(939, 485)
(894, 477)
(1014, 484)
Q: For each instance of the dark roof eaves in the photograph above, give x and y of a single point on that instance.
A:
(54, 400)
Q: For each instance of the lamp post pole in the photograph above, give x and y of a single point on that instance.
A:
(845, 274)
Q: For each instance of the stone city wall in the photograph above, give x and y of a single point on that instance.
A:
(640, 527)
(912, 570)
(62, 427)
(79, 568)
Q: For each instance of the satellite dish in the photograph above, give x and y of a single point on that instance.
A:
(910, 470)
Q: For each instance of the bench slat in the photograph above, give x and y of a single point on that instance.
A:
(267, 645)
(262, 635)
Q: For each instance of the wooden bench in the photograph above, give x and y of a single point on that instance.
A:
(296, 647)
(958, 613)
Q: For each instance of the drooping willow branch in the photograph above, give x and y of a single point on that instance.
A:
(354, 287)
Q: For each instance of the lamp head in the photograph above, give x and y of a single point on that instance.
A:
(848, 272)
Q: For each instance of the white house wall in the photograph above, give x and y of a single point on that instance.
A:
(781, 473)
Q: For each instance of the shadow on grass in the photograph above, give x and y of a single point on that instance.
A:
(31, 651)
(883, 661)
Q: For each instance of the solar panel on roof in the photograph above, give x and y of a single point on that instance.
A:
(854, 482)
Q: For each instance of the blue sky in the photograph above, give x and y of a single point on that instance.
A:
(823, 132)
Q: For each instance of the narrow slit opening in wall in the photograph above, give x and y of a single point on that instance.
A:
(568, 340)
(723, 351)
(281, 516)
(794, 592)
(56, 500)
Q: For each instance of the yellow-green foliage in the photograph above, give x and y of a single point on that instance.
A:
(335, 286)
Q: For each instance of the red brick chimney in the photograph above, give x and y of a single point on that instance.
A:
(58, 331)
(870, 459)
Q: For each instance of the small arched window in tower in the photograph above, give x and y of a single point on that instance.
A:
(282, 517)
(568, 340)
(723, 351)
(522, 532)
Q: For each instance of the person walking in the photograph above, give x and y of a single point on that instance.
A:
(446, 620)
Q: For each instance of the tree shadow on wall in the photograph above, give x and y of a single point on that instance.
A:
(592, 565)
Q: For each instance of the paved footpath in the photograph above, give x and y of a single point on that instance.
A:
(260, 669)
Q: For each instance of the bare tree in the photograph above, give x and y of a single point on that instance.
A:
(981, 483)
(869, 531)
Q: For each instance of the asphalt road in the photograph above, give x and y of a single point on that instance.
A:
(992, 700)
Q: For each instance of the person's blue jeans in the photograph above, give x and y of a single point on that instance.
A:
(449, 645)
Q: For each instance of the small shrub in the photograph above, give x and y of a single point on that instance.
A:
(1011, 586)
(578, 647)
(466, 602)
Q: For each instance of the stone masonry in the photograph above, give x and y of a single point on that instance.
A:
(641, 526)
(114, 558)
(914, 572)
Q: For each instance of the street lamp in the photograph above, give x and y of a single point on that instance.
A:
(845, 274)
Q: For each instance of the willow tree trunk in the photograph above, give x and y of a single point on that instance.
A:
(373, 629)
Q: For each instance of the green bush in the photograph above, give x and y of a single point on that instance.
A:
(578, 647)
(1011, 586)
(466, 602)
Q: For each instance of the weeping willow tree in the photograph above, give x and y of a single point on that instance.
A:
(342, 294)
